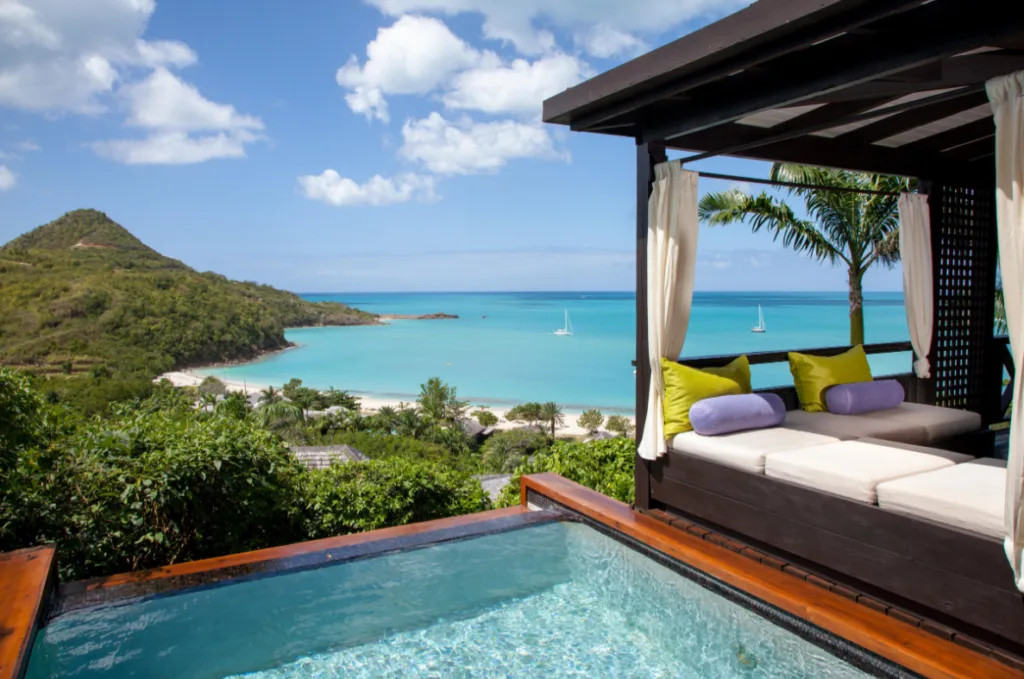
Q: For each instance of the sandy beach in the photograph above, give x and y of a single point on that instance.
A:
(370, 404)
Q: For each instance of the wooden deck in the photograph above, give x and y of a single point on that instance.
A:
(901, 643)
(26, 579)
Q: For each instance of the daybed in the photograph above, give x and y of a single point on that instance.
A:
(862, 500)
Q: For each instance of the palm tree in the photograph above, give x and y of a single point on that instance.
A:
(270, 395)
(857, 230)
(410, 423)
(551, 413)
(387, 418)
(278, 413)
(439, 402)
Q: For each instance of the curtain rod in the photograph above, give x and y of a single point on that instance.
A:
(795, 185)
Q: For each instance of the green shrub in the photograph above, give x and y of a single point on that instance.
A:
(485, 417)
(212, 385)
(605, 466)
(151, 489)
(21, 411)
(382, 446)
(360, 496)
(506, 450)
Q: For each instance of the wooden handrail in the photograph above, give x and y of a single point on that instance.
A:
(763, 357)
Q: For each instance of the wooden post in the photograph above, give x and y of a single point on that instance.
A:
(647, 156)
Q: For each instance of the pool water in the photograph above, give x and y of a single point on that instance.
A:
(554, 600)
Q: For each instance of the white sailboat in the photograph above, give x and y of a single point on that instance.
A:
(760, 327)
(567, 330)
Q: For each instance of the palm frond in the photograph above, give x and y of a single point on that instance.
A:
(765, 212)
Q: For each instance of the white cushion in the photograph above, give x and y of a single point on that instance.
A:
(746, 449)
(938, 422)
(849, 427)
(908, 423)
(854, 469)
(967, 496)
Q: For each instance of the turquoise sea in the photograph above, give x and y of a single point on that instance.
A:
(502, 349)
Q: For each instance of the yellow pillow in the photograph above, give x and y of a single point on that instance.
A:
(684, 387)
(812, 375)
(738, 370)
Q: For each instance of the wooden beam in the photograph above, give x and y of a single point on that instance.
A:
(915, 117)
(647, 156)
(979, 129)
(795, 130)
(740, 41)
(978, 148)
(827, 67)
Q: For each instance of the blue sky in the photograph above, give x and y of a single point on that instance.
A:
(339, 145)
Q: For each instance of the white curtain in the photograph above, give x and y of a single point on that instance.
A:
(672, 227)
(916, 255)
(1007, 96)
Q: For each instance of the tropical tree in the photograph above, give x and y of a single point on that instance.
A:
(410, 423)
(591, 420)
(552, 415)
(485, 417)
(386, 419)
(854, 228)
(620, 425)
(269, 395)
(439, 402)
(530, 413)
(278, 414)
(506, 450)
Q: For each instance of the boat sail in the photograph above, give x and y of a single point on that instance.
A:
(760, 327)
(567, 330)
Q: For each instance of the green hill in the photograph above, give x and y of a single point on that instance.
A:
(83, 295)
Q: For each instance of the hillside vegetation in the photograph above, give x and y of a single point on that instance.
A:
(82, 294)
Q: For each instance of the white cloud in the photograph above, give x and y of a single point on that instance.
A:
(333, 189)
(515, 20)
(467, 147)
(59, 56)
(603, 41)
(7, 178)
(412, 56)
(185, 127)
(174, 148)
(519, 87)
(166, 53)
(163, 101)
(28, 146)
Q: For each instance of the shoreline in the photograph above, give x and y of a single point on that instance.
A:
(370, 404)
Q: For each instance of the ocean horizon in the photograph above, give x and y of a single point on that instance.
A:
(502, 349)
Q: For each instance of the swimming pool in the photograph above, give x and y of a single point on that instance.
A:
(555, 599)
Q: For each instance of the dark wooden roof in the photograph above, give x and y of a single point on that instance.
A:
(892, 86)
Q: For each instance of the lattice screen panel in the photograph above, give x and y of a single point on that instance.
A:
(964, 248)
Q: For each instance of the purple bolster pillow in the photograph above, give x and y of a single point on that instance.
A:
(864, 397)
(726, 414)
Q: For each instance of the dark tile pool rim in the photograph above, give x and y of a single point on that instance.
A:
(78, 596)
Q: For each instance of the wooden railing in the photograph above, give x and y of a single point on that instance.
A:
(764, 357)
(911, 385)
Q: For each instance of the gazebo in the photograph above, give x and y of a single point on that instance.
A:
(901, 87)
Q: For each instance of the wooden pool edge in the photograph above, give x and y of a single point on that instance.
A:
(898, 642)
(27, 578)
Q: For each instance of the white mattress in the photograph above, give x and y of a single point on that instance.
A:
(850, 427)
(967, 496)
(906, 423)
(746, 450)
(853, 469)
